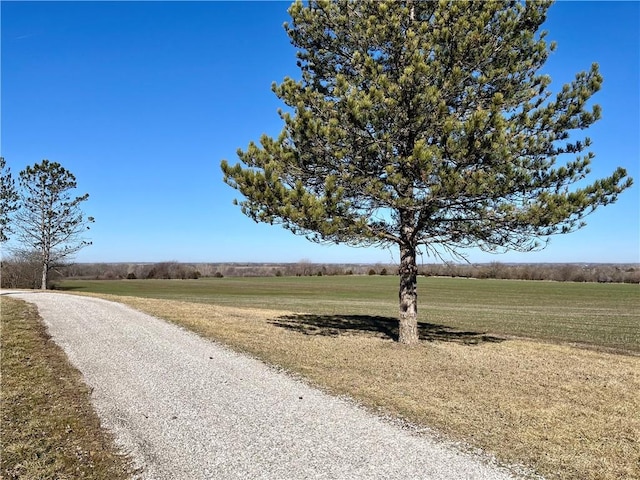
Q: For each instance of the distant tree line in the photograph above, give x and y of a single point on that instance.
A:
(24, 272)
(567, 272)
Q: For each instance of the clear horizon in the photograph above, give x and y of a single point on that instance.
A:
(347, 263)
(142, 100)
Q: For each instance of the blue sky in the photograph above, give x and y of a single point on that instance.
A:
(142, 100)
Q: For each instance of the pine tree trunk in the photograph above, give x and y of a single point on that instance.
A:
(408, 321)
(44, 277)
(45, 269)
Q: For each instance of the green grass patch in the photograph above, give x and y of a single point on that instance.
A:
(568, 413)
(48, 428)
(602, 316)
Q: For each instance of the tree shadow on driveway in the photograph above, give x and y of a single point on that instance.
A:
(376, 326)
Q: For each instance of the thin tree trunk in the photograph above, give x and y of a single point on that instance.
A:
(44, 277)
(45, 269)
(408, 321)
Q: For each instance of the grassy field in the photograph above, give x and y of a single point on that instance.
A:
(604, 316)
(48, 429)
(540, 374)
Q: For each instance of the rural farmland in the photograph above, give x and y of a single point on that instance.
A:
(540, 374)
(601, 316)
(214, 213)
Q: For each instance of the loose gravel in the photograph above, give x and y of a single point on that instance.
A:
(187, 408)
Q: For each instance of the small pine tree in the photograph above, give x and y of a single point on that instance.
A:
(8, 200)
(49, 220)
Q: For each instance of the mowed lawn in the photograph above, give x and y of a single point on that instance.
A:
(605, 316)
(538, 374)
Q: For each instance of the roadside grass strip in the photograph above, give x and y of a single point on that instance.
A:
(48, 428)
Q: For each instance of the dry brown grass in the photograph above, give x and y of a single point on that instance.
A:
(48, 428)
(566, 412)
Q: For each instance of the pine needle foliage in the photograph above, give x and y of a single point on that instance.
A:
(8, 200)
(425, 124)
(50, 222)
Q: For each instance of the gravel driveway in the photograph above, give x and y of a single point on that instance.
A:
(187, 408)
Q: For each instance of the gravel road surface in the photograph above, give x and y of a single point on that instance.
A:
(187, 408)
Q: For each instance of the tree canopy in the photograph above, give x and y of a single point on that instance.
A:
(49, 221)
(425, 124)
(8, 200)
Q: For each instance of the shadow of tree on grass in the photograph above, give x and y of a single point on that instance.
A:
(376, 326)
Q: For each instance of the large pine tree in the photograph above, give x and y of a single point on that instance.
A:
(425, 124)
